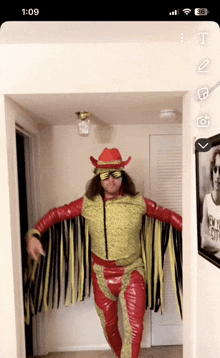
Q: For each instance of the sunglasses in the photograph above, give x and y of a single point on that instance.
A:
(216, 168)
(115, 174)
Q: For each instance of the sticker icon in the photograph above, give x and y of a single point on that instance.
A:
(203, 93)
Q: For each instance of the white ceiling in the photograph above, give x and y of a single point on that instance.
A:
(105, 108)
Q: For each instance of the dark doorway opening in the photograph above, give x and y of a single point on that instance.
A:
(22, 188)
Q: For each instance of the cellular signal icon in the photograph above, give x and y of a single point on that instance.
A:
(175, 12)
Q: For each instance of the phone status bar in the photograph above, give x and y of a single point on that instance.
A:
(197, 11)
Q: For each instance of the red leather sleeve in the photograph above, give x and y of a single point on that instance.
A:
(62, 213)
(162, 214)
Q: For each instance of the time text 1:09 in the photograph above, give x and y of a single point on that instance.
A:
(30, 12)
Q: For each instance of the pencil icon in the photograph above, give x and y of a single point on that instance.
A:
(202, 67)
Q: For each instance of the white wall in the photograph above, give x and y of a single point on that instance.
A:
(112, 67)
(69, 68)
(202, 290)
(12, 331)
(208, 292)
(8, 330)
(201, 278)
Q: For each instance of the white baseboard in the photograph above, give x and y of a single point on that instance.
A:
(102, 347)
(82, 348)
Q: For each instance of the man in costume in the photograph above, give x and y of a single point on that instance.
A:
(211, 209)
(114, 213)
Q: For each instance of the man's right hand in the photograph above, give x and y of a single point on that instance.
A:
(34, 248)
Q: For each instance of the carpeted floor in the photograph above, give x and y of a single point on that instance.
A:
(153, 352)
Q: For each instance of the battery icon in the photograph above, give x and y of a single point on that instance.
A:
(201, 11)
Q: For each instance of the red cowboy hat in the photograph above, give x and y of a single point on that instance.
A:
(110, 158)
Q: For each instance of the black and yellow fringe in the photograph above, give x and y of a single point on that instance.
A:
(66, 267)
(156, 238)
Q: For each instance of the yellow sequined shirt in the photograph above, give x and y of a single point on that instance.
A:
(114, 226)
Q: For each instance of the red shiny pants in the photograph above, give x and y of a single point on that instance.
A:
(126, 283)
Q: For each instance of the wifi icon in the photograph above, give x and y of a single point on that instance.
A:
(187, 11)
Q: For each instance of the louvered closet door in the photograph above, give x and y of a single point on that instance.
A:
(166, 190)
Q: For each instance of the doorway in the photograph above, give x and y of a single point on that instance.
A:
(21, 141)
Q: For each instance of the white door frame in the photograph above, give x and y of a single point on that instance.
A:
(18, 120)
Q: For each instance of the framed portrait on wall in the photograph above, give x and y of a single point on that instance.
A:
(208, 200)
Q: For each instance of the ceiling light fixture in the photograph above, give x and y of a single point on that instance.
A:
(83, 123)
(168, 114)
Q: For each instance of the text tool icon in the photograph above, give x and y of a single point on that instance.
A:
(203, 145)
(203, 93)
(202, 36)
(203, 66)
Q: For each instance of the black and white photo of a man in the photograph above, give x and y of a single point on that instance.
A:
(210, 228)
